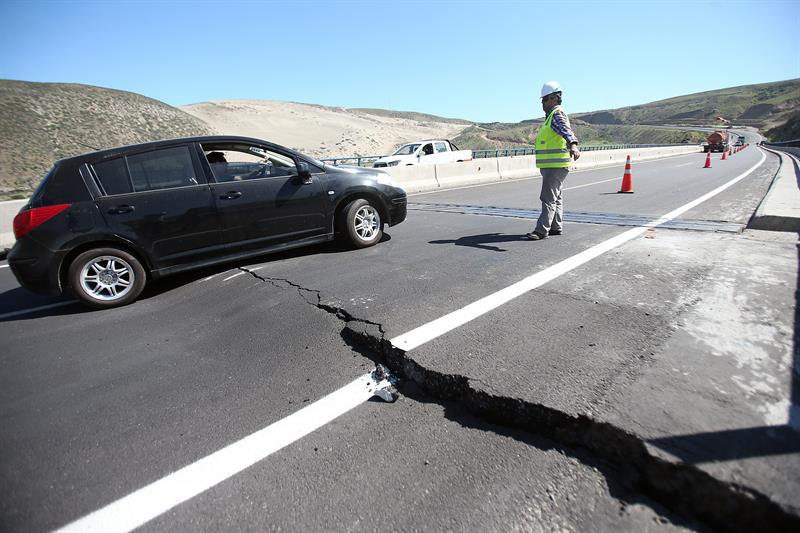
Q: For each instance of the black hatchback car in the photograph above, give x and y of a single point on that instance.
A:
(103, 223)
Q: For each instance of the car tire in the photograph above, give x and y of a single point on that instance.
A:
(363, 226)
(106, 277)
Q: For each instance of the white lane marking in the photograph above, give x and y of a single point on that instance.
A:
(141, 506)
(593, 183)
(685, 164)
(514, 180)
(3, 266)
(212, 276)
(449, 322)
(35, 309)
(235, 275)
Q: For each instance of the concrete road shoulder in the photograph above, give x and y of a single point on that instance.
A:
(780, 210)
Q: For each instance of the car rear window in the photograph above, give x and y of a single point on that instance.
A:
(37, 194)
(62, 185)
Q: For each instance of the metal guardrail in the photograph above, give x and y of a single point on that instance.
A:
(365, 160)
(504, 152)
(795, 143)
(510, 152)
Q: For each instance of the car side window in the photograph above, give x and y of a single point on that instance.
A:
(427, 149)
(440, 147)
(162, 169)
(247, 162)
(113, 176)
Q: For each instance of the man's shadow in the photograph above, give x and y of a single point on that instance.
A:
(483, 241)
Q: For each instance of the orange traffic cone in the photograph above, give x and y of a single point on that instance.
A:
(724, 153)
(708, 160)
(627, 179)
(730, 151)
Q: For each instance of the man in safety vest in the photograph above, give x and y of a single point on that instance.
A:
(556, 144)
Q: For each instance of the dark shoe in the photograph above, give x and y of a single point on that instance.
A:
(535, 236)
(555, 232)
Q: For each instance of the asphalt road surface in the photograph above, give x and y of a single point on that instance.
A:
(97, 406)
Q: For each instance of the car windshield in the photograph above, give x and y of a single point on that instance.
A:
(407, 149)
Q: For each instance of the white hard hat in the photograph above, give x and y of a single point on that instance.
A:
(550, 87)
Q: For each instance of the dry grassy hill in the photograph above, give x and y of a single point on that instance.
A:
(43, 122)
(763, 105)
(323, 131)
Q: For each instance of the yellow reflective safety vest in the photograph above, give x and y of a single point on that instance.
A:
(551, 148)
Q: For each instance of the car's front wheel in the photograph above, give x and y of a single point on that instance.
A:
(363, 224)
(106, 277)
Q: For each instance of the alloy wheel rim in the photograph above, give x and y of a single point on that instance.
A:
(107, 278)
(367, 222)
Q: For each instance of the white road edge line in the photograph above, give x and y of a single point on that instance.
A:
(3, 266)
(440, 326)
(235, 275)
(141, 506)
(35, 309)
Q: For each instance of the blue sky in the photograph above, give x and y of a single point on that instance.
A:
(482, 61)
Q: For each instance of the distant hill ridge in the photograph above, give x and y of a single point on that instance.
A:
(761, 105)
(765, 105)
(43, 122)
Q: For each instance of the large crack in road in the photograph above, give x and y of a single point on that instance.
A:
(682, 488)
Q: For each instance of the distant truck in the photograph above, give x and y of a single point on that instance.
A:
(740, 141)
(427, 152)
(717, 142)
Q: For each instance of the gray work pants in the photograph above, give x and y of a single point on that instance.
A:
(552, 205)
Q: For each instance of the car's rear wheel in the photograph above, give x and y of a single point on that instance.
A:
(363, 224)
(106, 277)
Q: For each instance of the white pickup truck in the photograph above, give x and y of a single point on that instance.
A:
(430, 151)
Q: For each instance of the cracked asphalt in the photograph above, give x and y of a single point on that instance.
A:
(648, 390)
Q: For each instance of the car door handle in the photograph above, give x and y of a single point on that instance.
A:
(231, 195)
(120, 209)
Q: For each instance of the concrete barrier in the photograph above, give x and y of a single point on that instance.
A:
(467, 173)
(523, 166)
(601, 158)
(417, 178)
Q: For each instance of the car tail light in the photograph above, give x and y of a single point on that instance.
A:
(33, 218)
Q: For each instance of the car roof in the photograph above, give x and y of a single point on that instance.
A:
(425, 141)
(121, 150)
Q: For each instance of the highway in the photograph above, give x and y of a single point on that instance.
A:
(638, 377)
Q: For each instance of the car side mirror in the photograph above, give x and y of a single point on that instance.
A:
(303, 172)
